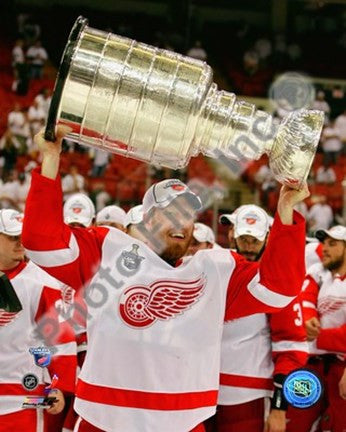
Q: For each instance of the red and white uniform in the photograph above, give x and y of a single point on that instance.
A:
(40, 296)
(324, 297)
(257, 347)
(154, 331)
(313, 254)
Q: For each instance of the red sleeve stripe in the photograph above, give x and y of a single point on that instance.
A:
(290, 346)
(267, 296)
(54, 258)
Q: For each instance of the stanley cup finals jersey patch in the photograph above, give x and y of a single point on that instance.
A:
(140, 306)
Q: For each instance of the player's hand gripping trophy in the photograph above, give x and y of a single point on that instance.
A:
(161, 107)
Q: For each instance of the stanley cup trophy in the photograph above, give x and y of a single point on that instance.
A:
(158, 106)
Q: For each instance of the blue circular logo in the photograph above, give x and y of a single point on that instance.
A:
(302, 388)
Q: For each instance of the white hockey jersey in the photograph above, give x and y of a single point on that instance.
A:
(324, 296)
(35, 325)
(154, 331)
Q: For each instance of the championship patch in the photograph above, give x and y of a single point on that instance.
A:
(42, 356)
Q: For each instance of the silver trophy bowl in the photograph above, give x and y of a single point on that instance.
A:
(126, 97)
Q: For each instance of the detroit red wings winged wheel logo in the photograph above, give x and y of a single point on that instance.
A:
(141, 306)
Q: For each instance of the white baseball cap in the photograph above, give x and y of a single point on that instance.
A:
(163, 193)
(229, 218)
(11, 222)
(202, 233)
(251, 220)
(111, 213)
(79, 209)
(337, 232)
(134, 216)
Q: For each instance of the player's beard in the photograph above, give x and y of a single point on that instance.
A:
(251, 256)
(334, 264)
(172, 253)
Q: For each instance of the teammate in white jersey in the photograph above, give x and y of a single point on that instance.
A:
(324, 308)
(30, 321)
(202, 238)
(257, 348)
(154, 326)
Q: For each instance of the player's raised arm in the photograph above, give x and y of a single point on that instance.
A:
(69, 254)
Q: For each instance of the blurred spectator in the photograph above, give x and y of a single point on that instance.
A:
(331, 144)
(101, 196)
(43, 100)
(9, 146)
(37, 57)
(263, 47)
(197, 52)
(20, 84)
(18, 59)
(22, 189)
(72, 183)
(31, 31)
(18, 125)
(337, 101)
(101, 158)
(36, 117)
(21, 20)
(340, 124)
(325, 174)
(320, 215)
(8, 191)
(250, 79)
(265, 178)
(321, 104)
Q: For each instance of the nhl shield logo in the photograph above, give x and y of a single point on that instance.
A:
(42, 356)
(131, 259)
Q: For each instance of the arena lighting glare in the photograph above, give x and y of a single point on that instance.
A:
(158, 106)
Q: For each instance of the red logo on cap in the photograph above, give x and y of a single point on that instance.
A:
(76, 209)
(178, 187)
(19, 218)
(250, 221)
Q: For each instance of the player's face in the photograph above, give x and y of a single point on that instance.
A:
(195, 246)
(333, 253)
(249, 247)
(173, 227)
(11, 251)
